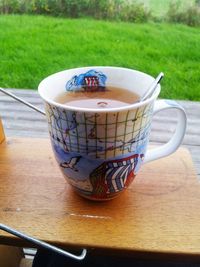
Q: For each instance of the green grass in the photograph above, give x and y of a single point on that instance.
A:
(33, 47)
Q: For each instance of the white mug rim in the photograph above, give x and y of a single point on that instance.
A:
(96, 110)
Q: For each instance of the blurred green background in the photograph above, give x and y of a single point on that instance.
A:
(34, 46)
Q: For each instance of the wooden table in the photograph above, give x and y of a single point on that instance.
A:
(157, 216)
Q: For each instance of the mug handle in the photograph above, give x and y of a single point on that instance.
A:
(177, 137)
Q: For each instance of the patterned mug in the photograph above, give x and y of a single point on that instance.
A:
(101, 150)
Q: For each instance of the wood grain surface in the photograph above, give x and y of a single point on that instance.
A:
(158, 213)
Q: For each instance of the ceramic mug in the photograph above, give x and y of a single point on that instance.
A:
(100, 151)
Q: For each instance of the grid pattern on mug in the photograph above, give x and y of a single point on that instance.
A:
(102, 136)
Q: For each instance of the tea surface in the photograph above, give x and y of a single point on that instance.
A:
(111, 97)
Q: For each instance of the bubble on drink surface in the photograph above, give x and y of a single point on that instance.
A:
(102, 104)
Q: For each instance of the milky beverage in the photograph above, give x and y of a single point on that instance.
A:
(111, 97)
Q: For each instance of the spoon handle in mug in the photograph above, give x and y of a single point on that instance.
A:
(152, 87)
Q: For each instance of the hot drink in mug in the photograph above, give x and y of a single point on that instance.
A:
(99, 129)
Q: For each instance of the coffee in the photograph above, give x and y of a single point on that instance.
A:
(111, 97)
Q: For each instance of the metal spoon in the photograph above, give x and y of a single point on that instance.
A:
(152, 87)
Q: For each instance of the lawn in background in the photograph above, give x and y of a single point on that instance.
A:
(32, 47)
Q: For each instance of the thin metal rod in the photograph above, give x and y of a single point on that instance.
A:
(152, 87)
(27, 237)
(22, 101)
(42, 243)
